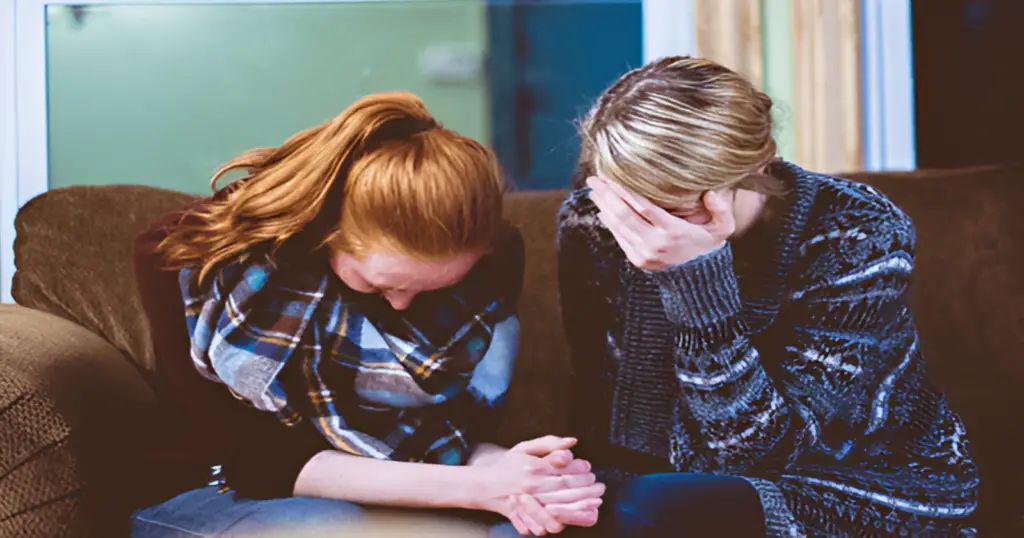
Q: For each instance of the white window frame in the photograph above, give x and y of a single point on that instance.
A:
(888, 74)
(670, 29)
(8, 147)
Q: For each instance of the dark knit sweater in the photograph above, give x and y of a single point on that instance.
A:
(797, 369)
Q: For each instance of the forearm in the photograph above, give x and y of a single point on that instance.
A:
(484, 454)
(336, 475)
(731, 397)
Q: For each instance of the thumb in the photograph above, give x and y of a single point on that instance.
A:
(559, 458)
(720, 212)
(542, 446)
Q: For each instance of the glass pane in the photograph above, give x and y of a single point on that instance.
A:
(162, 94)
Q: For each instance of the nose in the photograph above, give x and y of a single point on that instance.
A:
(400, 301)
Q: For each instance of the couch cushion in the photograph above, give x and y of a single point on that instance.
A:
(73, 419)
(538, 397)
(73, 254)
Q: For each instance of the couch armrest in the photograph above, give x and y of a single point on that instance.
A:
(73, 418)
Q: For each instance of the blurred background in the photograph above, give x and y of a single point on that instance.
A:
(162, 93)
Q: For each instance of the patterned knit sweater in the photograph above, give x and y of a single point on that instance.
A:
(798, 368)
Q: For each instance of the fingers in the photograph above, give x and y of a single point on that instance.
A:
(533, 527)
(545, 484)
(542, 446)
(648, 210)
(576, 466)
(559, 459)
(720, 210)
(619, 213)
(534, 510)
(578, 514)
(634, 203)
(569, 496)
(517, 521)
(624, 233)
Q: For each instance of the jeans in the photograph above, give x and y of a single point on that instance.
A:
(678, 505)
(205, 512)
(682, 505)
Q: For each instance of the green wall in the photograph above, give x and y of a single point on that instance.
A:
(778, 70)
(162, 94)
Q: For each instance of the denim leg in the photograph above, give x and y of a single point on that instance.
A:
(681, 505)
(503, 530)
(205, 512)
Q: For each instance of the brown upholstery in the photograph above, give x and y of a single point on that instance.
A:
(969, 303)
(73, 259)
(73, 415)
(74, 256)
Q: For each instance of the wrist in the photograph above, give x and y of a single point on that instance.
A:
(702, 291)
(485, 454)
(475, 487)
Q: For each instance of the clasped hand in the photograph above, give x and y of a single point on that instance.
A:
(654, 239)
(541, 488)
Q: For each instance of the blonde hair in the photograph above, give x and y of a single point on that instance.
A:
(680, 125)
(382, 174)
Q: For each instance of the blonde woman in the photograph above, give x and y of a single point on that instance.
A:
(336, 330)
(745, 360)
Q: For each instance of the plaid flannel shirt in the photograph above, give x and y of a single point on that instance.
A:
(418, 385)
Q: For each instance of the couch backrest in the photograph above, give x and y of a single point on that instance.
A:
(73, 255)
(968, 298)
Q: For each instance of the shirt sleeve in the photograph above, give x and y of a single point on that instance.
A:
(259, 456)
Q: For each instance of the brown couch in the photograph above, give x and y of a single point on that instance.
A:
(76, 412)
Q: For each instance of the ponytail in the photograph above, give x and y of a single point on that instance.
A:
(286, 188)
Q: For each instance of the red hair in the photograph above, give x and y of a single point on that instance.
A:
(382, 174)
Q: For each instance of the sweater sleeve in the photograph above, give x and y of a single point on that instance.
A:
(805, 422)
(259, 456)
(587, 316)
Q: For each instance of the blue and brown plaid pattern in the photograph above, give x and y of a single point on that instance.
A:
(412, 385)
